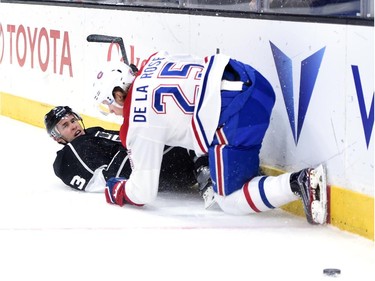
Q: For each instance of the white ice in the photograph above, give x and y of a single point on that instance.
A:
(50, 232)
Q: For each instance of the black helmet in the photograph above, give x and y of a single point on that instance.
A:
(54, 116)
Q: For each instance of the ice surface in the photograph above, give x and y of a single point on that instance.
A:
(50, 232)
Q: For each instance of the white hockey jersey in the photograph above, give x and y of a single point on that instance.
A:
(174, 101)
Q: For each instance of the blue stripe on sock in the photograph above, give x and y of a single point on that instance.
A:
(263, 194)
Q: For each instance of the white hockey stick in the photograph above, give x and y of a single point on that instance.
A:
(109, 39)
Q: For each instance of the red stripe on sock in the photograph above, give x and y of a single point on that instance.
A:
(248, 198)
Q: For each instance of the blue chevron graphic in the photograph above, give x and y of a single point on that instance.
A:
(367, 122)
(309, 72)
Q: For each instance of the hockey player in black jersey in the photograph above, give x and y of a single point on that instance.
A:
(91, 156)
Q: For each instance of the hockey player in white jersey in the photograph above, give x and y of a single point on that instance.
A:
(216, 106)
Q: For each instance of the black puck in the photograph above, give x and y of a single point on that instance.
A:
(331, 271)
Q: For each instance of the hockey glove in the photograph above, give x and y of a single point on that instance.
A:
(115, 191)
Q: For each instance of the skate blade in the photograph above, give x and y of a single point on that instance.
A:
(319, 207)
(209, 198)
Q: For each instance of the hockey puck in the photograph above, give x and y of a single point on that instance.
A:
(331, 271)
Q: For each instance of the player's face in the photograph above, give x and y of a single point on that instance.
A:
(70, 128)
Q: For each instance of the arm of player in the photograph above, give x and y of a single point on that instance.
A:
(70, 170)
(142, 186)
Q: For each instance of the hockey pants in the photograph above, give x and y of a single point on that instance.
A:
(234, 152)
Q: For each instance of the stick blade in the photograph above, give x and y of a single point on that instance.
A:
(102, 38)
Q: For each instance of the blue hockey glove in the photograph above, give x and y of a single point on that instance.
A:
(115, 191)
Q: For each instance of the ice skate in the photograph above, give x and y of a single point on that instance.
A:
(205, 186)
(208, 197)
(310, 184)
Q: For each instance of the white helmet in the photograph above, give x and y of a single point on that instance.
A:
(115, 74)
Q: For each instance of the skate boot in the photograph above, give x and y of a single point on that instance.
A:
(205, 186)
(310, 184)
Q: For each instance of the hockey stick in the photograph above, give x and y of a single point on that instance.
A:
(109, 39)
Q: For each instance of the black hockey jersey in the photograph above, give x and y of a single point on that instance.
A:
(90, 160)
